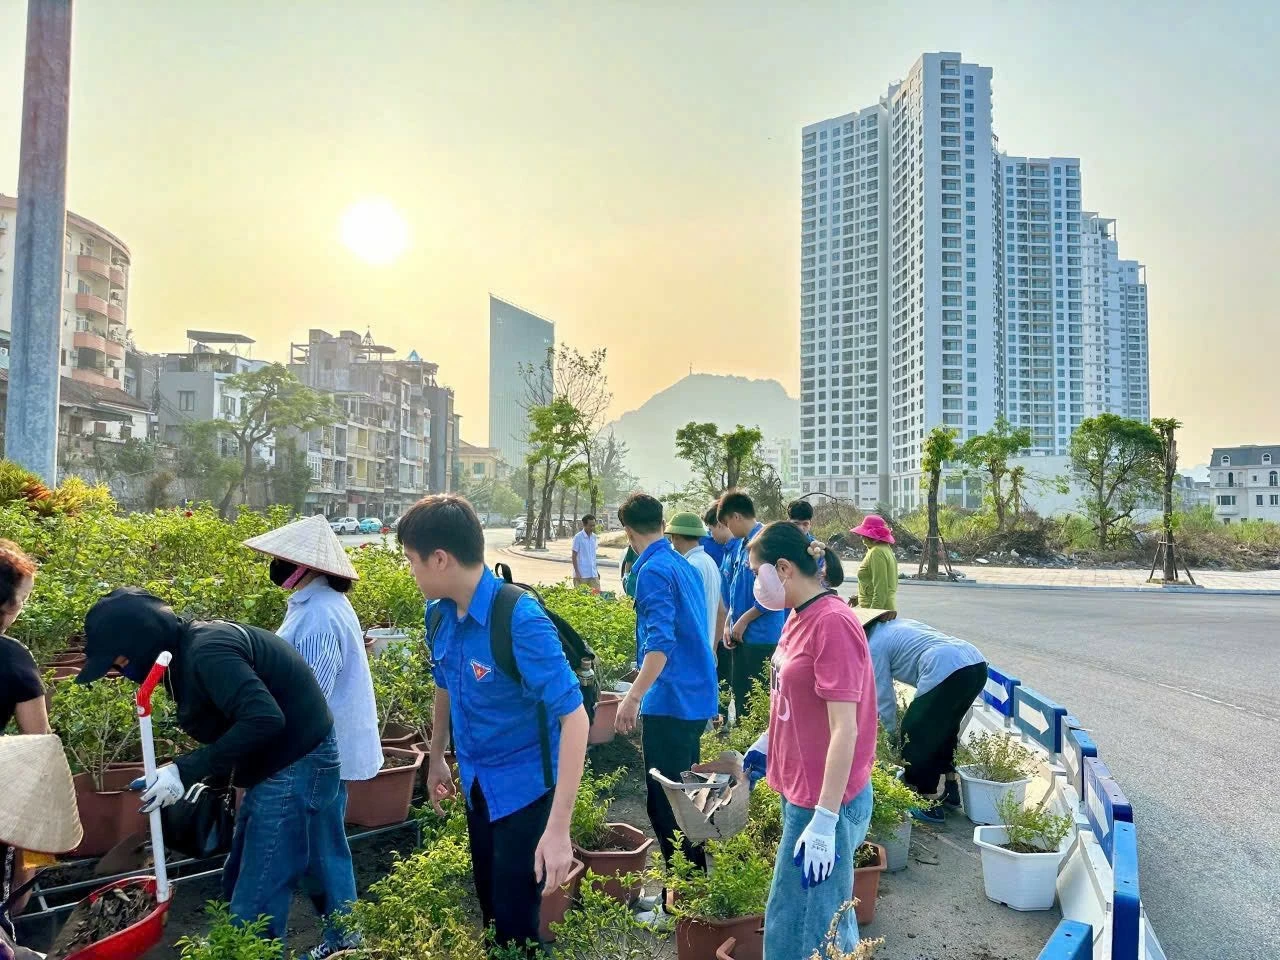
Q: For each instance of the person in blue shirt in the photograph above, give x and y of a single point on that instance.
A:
(676, 690)
(519, 796)
(714, 543)
(751, 631)
(800, 513)
(728, 547)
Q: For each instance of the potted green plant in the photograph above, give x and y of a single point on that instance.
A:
(612, 851)
(602, 928)
(403, 693)
(991, 766)
(556, 903)
(386, 599)
(230, 940)
(891, 815)
(99, 731)
(869, 862)
(726, 900)
(1021, 856)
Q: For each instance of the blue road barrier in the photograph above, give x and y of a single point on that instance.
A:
(1127, 924)
(998, 693)
(1071, 940)
(1105, 805)
(1077, 746)
(1039, 718)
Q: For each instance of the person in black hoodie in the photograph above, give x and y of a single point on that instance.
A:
(253, 702)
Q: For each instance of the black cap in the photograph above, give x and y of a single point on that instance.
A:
(126, 622)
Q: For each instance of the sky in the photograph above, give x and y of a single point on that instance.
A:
(632, 170)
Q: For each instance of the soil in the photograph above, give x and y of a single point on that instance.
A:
(391, 763)
(110, 913)
(1022, 848)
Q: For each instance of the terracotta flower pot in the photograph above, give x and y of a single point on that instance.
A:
(606, 712)
(701, 939)
(386, 798)
(611, 864)
(557, 903)
(111, 815)
(866, 885)
(399, 735)
(67, 659)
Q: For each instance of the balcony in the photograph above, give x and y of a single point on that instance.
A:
(115, 310)
(118, 275)
(94, 304)
(93, 340)
(93, 266)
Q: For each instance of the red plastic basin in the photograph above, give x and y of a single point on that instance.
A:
(131, 942)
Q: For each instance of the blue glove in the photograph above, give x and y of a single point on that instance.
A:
(165, 789)
(815, 851)
(755, 763)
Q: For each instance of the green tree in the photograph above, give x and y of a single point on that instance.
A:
(556, 439)
(1118, 461)
(272, 402)
(290, 475)
(939, 449)
(200, 459)
(611, 470)
(990, 452)
(719, 461)
(1167, 428)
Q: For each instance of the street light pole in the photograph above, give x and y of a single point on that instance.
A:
(31, 424)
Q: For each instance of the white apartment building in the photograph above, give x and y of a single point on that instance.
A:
(945, 283)
(784, 457)
(1245, 483)
(844, 318)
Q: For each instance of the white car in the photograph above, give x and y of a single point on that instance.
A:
(345, 525)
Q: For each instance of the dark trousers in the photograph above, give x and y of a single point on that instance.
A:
(931, 727)
(750, 661)
(724, 667)
(671, 747)
(502, 864)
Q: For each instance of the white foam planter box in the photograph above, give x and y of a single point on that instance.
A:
(980, 797)
(1021, 881)
(897, 846)
(383, 637)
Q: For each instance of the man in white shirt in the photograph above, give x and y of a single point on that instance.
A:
(585, 571)
(686, 530)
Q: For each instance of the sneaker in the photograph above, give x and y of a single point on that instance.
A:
(646, 904)
(933, 816)
(323, 950)
(951, 796)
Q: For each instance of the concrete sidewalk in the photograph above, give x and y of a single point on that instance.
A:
(1265, 582)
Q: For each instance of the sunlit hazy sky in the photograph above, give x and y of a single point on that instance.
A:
(631, 170)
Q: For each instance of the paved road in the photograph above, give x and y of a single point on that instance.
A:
(1181, 694)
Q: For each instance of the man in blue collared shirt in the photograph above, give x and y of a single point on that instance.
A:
(751, 631)
(518, 803)
(728, 550)
(676, 689)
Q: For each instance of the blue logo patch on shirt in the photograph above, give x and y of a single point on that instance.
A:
(482, 671)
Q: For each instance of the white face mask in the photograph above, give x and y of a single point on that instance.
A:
(768, 589)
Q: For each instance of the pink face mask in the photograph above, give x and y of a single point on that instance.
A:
(768, 589)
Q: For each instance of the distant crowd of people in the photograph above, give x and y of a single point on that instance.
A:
(721, 599)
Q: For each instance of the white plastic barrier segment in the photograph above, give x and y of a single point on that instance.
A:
(1098, 881)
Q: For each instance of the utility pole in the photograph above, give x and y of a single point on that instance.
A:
(31, 425)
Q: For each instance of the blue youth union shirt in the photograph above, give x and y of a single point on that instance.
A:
(713, 550)
(671, 618)
(726, 570)
(495, 719)
(766, 629)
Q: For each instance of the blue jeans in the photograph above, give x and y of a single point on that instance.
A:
(796, 921)
(290, 827)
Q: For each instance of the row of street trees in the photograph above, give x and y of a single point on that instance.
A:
(724, 461)
(1119, 463)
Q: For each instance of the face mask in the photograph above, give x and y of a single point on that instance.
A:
(136, 671)
(768, 589)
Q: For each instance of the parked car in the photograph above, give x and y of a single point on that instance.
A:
(520, 528)
(371, 525)
(345, 525)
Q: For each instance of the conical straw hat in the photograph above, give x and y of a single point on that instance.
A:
(309, 542)
(868, 615)
(39, 808)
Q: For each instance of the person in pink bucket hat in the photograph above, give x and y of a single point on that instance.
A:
(878, 572)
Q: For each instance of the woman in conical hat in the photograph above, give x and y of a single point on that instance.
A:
(308, 559)
(38, 813)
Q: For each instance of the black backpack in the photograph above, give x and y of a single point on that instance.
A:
(580, 656)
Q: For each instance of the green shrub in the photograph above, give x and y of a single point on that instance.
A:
(229, 940)
(764, 819)
(386, 594)
(403, 689)
(735, 885)
(996, 757)
(748, 728)
(1030, 829)
(588, 823)
(602, 928)
(98, 724)
(608, 626)
(892, 800)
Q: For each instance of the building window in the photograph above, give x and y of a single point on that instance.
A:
(1259, 501)
(186, 400)
(1226, 500)
(1226, 461)
(1273, 479)
(1266, 459)
(1231, 479)
(1275, 499)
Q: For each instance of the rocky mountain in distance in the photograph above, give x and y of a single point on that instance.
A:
(650, 430)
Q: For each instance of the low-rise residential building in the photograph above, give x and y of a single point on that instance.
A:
(480, 464)
(1245, 483)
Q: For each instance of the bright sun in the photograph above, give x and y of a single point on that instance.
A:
(374, 231)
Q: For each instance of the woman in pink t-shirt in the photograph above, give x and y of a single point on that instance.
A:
(820, 745)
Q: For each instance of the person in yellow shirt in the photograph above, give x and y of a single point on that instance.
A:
(878, 572)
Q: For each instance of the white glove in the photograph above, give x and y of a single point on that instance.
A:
(755, 763)
(815, 851)
(165, 789)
